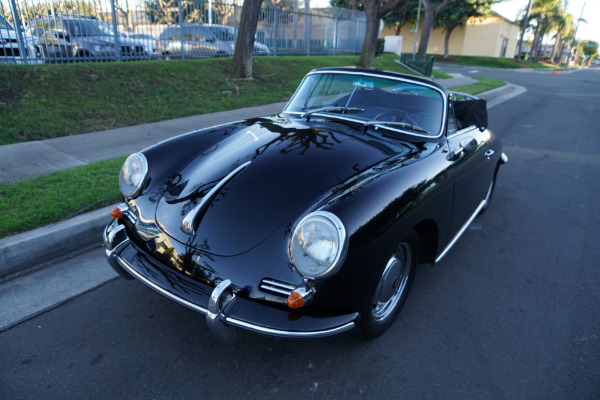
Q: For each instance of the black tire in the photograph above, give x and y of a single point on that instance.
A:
(392, 290)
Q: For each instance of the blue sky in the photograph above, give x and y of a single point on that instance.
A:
(510, 9)
(591, 13)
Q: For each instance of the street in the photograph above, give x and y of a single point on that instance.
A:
(512, 312)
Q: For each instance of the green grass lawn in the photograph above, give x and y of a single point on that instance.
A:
(38, 102)
(483, 85)
(45, 101)
(30, 203)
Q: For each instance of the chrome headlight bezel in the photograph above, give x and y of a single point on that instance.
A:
(133, 175)
(321, 226)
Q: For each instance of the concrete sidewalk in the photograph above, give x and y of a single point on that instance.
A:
(42, 246)
(25, 160)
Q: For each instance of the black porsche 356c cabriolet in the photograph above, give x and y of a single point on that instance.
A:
(311, 222)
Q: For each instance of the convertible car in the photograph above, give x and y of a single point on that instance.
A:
(311, 222)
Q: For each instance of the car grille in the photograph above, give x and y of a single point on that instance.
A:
(128, 50)
(9, 52)
(276, 287)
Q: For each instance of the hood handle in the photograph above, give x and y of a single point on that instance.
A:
(189, 222)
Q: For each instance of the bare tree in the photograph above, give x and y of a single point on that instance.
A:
(374, 10)
(241, 65)
(431, 11)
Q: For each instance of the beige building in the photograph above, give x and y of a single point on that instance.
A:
(494, 36)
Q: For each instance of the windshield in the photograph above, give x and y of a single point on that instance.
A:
(87, 27)
(224, 33)
(372, 100)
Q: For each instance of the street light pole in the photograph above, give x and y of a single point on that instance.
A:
(576, 28)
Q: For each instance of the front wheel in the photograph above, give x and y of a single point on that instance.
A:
(392, 289)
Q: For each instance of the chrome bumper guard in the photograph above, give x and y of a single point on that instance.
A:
(224, 309)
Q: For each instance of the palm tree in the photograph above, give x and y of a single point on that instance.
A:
(563, 23)
(541, 11)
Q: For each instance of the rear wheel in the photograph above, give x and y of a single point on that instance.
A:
(392, 290)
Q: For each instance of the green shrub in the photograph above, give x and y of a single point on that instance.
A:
(380, 46)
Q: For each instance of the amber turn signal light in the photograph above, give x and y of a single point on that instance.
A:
(116, 213)
(295, 300)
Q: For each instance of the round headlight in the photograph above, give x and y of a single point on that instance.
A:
(318, 244)
(133, 174)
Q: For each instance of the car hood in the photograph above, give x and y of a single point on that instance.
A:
(94, 40)
(12, 35)
(283, 167)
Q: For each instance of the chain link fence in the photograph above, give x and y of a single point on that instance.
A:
(46, 31)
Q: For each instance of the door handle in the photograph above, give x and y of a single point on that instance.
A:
(489, 153)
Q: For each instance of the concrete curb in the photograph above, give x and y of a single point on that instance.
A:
(46, 245)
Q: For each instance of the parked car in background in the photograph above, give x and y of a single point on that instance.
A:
(192, 41)
(9, 45)
(148, 41)
(311, 222)
(227, 34)
(67, 38)
(140, 50)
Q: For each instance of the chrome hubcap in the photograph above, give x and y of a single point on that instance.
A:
(393, 282)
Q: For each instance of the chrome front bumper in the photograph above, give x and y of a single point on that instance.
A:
(223, 309)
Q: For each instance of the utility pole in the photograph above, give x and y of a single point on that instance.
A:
(575, 34)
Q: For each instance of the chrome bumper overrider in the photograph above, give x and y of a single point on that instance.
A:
(223, 309)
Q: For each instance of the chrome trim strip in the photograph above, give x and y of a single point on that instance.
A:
(159, 289)
(463, 131)
(187, 225)
(289, 334)
(234, 321)
(460, 232)
(282, 288)
(273, 289)
(467, 95)
(273, 282)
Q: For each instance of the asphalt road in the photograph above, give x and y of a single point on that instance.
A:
(512, 312)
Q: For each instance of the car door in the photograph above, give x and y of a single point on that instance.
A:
(472, 167)
(204, 42)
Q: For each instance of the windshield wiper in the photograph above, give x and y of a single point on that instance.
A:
(340, 110)
(404, 125)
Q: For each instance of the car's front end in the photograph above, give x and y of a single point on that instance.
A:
(198, 286)
(10, 51)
